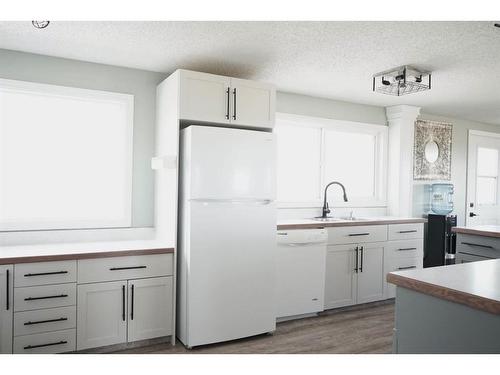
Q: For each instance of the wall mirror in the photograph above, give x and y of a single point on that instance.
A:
(432, 150)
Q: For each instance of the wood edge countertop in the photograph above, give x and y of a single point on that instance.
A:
(313, 224)
(82, 255)
(479, 230)
(467, 298)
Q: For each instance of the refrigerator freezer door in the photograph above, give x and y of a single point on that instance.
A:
(231, 270)
(230, 163)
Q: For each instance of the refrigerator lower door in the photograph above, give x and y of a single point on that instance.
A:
(230, 270)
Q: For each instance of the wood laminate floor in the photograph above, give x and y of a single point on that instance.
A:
(364, 329)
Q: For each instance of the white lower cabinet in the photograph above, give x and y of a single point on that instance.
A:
(354, 274)
(340, 279)
(370, 283)
(150, 308)
(101, 314)
(124, 311)
(6, 308)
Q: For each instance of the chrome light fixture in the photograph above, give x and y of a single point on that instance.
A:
(401, 81)
(40, 24)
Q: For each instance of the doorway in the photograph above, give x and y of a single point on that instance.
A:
(483, 179)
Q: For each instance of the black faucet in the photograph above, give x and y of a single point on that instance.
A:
(326, 209)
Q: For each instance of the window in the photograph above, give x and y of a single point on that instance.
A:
(65, 157)
(312, 152)
(487, 176)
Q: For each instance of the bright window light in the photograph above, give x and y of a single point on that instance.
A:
(487, 176)
(313, 152)
(65, 157)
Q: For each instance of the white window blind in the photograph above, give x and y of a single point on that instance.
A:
(65, 157)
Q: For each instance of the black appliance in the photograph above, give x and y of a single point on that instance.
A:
(441, 243)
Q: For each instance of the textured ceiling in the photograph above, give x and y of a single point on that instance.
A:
(327, 59)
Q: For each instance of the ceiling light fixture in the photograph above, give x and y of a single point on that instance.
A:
(401, 81)
(40, 24)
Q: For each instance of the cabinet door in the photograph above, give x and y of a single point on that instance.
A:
(101, 314)
(150, 308)
(252, 103)
(340, 278)
(204, 97)
(6, 308)
(371, 282)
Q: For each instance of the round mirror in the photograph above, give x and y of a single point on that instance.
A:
(431, 151)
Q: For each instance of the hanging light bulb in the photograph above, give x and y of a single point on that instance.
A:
(40, 24)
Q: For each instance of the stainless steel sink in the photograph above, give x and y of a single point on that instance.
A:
(347, 218)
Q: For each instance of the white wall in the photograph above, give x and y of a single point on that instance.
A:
(458, 165)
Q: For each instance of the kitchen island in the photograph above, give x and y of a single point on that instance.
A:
(475, 243)
(449, 309)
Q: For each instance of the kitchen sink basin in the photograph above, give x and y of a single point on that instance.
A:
(347, 218)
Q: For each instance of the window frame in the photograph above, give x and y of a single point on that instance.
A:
(56, 90)
(380, 132)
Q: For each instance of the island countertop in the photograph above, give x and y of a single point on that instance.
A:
(475, 284)
(479, 230)
(312, 224)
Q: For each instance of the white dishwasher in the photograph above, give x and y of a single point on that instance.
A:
(300, 271)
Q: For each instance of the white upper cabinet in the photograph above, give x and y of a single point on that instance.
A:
(204, 97)
(223, 100)
(252, 103)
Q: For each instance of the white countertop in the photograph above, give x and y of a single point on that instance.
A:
(476, 284)
(68, 249)
(381, 220)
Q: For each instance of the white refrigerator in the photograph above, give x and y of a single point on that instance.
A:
(227, 235)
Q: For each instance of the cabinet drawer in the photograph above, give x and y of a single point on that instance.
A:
(43, 273)
(404, 249)
(405, 231)
(488, 247)
(123, 268)
(46, 343)
(357, 234)
(46, 320)
(44, 297)
(467, 258)
(399, 264)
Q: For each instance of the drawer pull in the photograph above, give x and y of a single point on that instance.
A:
(45, 273)
(45, 297)
(475, 255)
(407, 248)
(358, 234)
(43, 345)
(406, 268)
(45, 321)
(126, 268)
(7, 291)
(477, 245)
(408, 231)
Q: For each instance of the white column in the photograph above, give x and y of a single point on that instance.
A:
(401, 121)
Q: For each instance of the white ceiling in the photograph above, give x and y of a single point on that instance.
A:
(327, 59)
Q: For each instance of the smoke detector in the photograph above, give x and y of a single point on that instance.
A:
(401, 81)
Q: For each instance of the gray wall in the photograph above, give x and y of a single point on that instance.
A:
(333, 109)
(458, 165)
(142, 84)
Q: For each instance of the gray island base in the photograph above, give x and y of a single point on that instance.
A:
(448, 310)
